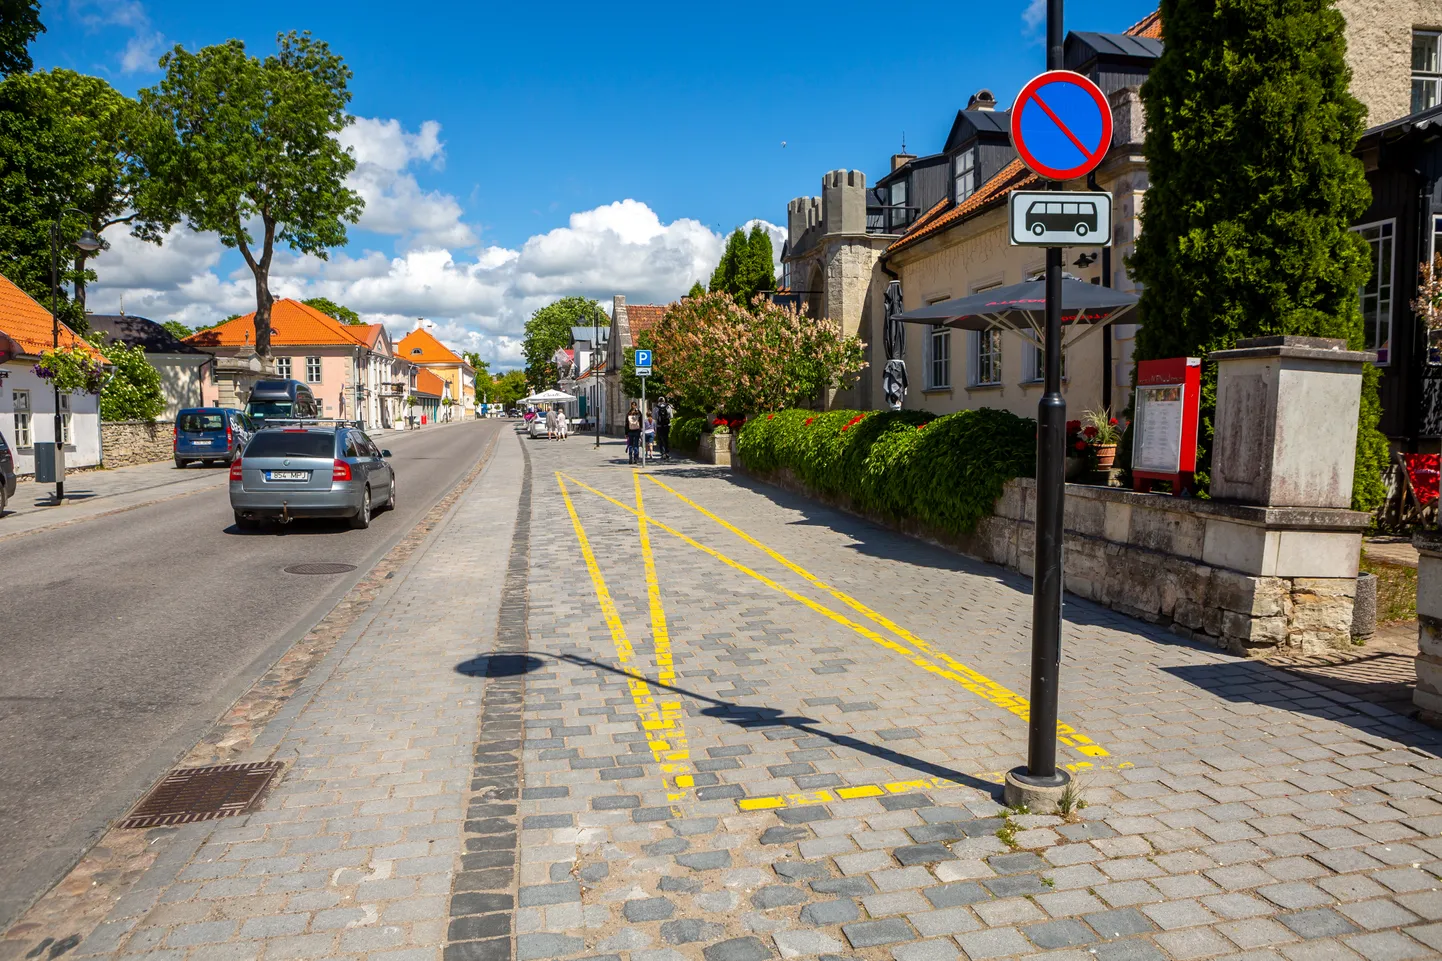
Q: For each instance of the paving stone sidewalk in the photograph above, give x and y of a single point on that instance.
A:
(1239, 812)
(355, 851)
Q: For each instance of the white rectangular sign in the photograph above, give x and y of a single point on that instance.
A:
(1061, 218)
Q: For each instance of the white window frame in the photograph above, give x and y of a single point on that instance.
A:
(984, 368)
(24, 423)
(965, 176)
(897, 204)
(283, 368)
(67, 425)
(313, 364)
(1380, 288)
(1426, 77)
(938, 358)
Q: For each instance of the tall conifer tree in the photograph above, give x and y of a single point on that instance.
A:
(1254, 187)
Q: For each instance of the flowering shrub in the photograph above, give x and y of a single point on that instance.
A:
(944, 471)
(72, 370)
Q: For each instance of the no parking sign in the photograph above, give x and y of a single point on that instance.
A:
(1061, 125)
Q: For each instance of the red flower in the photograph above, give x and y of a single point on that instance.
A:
(1081, 445)
(855, 420)
(922, 426)
(1072, 426)
(770, 416)
(1114, 422)
(719, 422)
(1089, 432)
(808, 421)
(845, 428)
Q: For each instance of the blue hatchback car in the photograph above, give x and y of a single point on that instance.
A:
(215, 435)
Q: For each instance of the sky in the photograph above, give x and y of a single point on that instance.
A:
(511, 154)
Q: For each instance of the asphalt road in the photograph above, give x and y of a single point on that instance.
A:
(125, 636)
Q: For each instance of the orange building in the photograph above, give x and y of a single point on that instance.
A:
(421, 348)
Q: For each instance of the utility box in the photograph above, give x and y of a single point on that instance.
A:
(49, 462)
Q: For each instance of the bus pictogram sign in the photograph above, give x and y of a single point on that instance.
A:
(1061, 125)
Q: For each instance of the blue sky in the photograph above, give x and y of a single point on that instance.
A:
(490, 127)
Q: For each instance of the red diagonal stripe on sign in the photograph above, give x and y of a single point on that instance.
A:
(1063, 127)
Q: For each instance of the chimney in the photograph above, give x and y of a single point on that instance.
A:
(983, 99)
(899, 160)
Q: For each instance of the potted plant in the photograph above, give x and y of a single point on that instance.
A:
(1101, 432)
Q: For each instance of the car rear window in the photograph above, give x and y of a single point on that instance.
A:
(284, 443)
(202, 420)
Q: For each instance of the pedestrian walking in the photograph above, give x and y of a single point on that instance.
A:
(663, 429)
(650, 435)
(563, 424)
(551, 424)
(633, 433)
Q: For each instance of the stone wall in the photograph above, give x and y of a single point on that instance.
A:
(126, 442)
(1253, 580)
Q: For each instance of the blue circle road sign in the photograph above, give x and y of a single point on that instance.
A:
(1061, 125)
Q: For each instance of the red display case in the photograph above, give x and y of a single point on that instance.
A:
(1164, 423)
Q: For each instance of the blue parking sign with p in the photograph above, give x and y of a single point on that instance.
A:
(643, 358)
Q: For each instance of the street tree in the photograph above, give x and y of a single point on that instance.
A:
(549, 330)
(697, 290)
(177, 330)
(630, 383)
(332, 309)
(720, 355)
(509, 388)
(249, 150)
(1253, 190)
(133, 391)
(746, 268)
(67, 144)
(19, 26)
(484, 380)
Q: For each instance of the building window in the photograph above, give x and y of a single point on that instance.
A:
(282, 368)
(1036, 363)
(938, 367)
(1426, 69)
(67, 436)
(965, 174)
(986, 358)
(898, 204)
(1377, 295)
(312, 370)
(21, 401)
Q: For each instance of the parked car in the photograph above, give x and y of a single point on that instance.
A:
(320, 470)
(281, 400)
(214, 435)
(7, 473)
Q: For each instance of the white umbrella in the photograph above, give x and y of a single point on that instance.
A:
(549, 397)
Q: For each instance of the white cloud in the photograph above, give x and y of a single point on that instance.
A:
(142, 51)
(395, 204)
(1034, 15)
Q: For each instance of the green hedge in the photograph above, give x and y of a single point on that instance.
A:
(686, 433)
(946, 472)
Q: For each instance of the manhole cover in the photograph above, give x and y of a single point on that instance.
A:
(319, 568)
(202, 793)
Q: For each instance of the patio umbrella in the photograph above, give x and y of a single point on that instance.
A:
(1021, 309)
(893, 376)
(552, 396)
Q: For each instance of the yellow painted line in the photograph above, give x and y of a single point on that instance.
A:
(662, 722)
(973, 680)
(826, 796)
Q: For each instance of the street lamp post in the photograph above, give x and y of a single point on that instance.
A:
(595, 373)
(88, 242)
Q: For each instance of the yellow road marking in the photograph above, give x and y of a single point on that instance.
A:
(663, 723)
(826, 796)
(972, 680)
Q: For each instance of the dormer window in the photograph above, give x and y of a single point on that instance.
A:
(965, 174)
(898, 204)
(416, 351)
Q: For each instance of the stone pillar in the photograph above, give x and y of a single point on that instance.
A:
(1286, 422)
(1427, 695)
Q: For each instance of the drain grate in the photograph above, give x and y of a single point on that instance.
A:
(319, 568)
(202, 794)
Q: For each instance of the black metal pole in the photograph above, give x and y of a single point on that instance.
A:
(595, 371)
(55, 343)
(1041, 770)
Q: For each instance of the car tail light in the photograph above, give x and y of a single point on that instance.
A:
(229, 436)
(235, 469)
(175, 438)
(341, 471)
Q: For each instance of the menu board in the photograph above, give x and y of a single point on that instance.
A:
(1157, 429)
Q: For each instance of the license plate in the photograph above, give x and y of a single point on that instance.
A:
(203, 440)
(287, 475)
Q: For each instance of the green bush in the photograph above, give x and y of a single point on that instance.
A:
(945, 471)
(686, 433)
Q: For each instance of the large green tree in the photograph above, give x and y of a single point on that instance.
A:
(746, 268)
(67, 144)
(1253, 188)
(332, 309)
(509, 388)
(19, 25)
(484, 380)
(250, 151)
(133, 391)
(548, 330)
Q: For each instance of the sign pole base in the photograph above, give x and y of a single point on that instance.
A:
(1039, 795)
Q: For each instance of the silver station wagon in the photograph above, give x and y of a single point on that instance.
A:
(310, 470)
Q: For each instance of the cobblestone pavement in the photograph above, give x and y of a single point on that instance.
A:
(749, 728)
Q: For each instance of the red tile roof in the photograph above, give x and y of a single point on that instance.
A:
(371, 334)
(429, 384)
(1149, 26)
(292, 324)
(1014, 176)
(29, 325)
(421, 347)
(643, 317)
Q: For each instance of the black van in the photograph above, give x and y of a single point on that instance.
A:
(280, 400)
